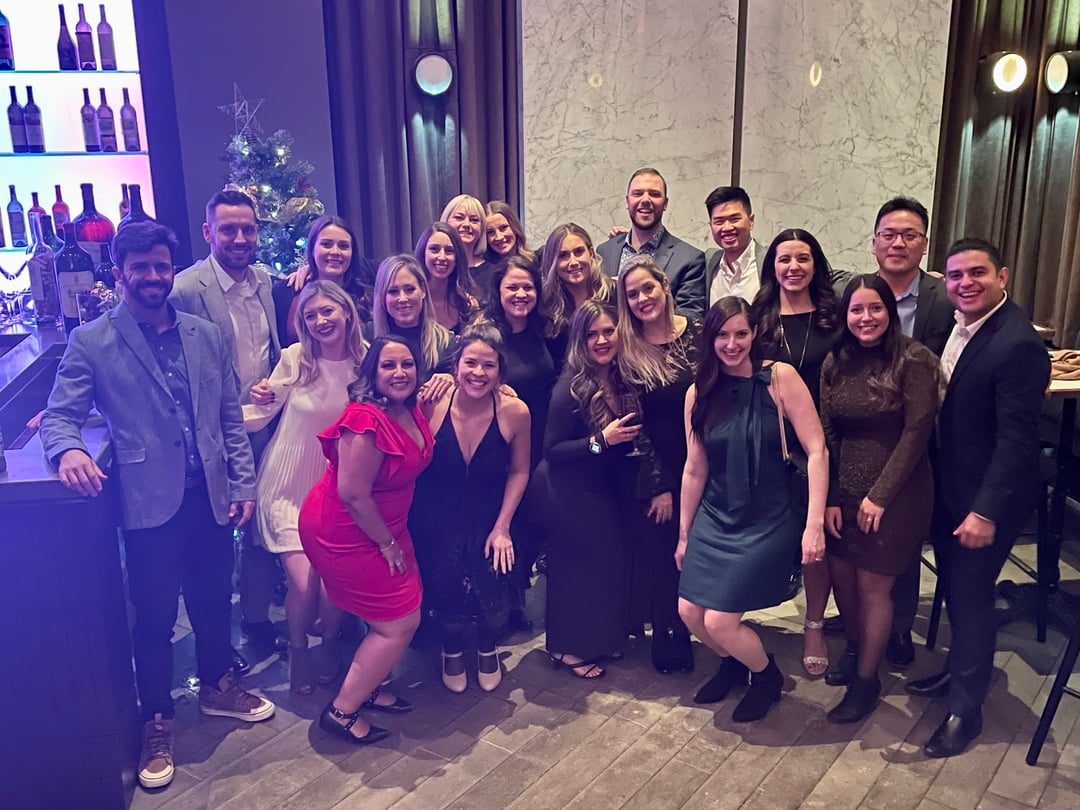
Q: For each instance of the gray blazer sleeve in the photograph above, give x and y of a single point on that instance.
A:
(690, 294)
(70, 401)
(241, 460)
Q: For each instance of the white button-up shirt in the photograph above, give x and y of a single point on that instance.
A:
(959, 338)
(250, 327)
(740, 278)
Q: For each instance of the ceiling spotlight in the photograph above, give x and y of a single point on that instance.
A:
(1062, 74)
(1005, 71)
(433, 74)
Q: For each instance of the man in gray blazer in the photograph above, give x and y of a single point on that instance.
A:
(227, 290)
(163, 381)
(684, 264)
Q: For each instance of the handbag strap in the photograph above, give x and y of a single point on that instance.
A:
(780, 414)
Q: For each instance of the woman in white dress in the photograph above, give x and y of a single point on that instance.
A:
(308, 387)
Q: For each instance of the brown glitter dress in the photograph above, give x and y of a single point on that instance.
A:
(881, 453)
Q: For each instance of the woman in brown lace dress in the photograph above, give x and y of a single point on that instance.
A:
(879, 397)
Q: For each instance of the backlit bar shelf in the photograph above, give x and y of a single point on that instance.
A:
(68, 154)
(83, 73)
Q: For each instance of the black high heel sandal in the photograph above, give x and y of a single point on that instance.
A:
(593, 666)
(344, 730)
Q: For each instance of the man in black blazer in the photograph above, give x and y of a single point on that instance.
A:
(926, 314)
(996, 370)
(684, 264)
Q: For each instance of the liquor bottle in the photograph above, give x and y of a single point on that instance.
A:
(103, 272)
(35, 133)
(84, 38)
(17, 220)
(17, 124)
(136, 214)
(74, 275)
(125, 201)
(106, 125)
(65, 47)
(91, 228)
(42, 266)
(50, 238)
(105, 43)
(7, 55)
(129, 124)
(90, 131)
(60, 211)
(35, 208)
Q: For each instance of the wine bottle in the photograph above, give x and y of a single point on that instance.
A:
(106, 125)
(50, 238)
(84, 38)
(129, 124)
(35, 132)
(3, 243)
(17, 124)
(60, 211)
(90, 131)
(17, 220)
(65, 47)
(91, 227)
(7, 54)
(103, 272)
(125, 201)
(106, 46)
(35, 208)
(74, 275)
(136, 214)
(42, 268)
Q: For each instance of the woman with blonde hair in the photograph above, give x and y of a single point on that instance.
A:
(310, 389)
(659, 351)
(572, 275)
(466, 215)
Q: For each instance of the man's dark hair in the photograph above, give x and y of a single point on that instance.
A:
(142, 237)
(726, 194)
(228, 196)
(903, 204)
(975, 243)
(647, 170)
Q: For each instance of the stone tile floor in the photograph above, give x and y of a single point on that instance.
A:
(545, 739)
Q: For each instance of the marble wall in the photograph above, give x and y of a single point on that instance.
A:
(610, 85)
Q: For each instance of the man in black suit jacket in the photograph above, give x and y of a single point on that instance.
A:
(684, 264)
(996, 369)
(926, 314)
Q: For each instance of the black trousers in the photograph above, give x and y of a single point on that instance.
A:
(258, 568)
(191, 551)
(970, 577)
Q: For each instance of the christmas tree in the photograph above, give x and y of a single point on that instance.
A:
(264, 168)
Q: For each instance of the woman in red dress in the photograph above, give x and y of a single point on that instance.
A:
(353, 527)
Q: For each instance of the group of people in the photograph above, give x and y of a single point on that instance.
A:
(686, 437)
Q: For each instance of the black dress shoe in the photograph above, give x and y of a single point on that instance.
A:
(953, 736)
(265, 636)
(238, 664)
(900, 651)
(933, 687)
(859, 700)
(843, 668)
(834, 626)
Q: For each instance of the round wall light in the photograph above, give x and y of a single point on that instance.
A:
(1062, 74)
(1007, 70)
(433, 74)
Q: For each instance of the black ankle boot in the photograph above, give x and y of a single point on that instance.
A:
(764, 691)
(843, 668)
(859, 700)
(731, 673)
(661, 650)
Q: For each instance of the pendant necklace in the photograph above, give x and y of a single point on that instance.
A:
(787, 346)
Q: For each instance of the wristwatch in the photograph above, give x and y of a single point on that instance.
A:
(594, 446)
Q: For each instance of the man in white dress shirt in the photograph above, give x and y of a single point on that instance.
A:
(226, 289)
(734, 267)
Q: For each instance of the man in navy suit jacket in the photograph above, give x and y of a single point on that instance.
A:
(684, 264)
(996, 371)
(164, 383)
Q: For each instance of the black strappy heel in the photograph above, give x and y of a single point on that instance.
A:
(344, 730)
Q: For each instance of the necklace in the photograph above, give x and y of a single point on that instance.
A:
(787, 346)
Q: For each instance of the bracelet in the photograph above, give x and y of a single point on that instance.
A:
(388, 546)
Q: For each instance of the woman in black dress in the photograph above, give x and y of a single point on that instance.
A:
(439, 250)
(797, 315)
(659, 351)
(584, 446)
(505, 236)
(465, 502)
(466, 214)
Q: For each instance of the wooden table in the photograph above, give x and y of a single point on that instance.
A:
(1068, 391)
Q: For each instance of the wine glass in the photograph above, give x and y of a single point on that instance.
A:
(630, 402)
(11, 296)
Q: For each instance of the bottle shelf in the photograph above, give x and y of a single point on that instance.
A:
(4, 73)
(7, 251)
(70, 154)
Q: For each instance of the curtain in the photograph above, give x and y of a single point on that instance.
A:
(399, 155)
(1005, 162)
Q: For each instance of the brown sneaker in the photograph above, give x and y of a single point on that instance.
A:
(229, 700)
(156, 761)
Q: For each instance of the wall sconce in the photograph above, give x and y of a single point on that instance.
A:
(1062, 74)
(1003, 72)
(433, 74)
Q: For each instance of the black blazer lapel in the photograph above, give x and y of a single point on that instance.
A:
(924, 304)
(975, 346)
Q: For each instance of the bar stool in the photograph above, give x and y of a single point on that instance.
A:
(1060, 687)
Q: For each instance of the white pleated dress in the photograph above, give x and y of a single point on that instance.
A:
(293, 460)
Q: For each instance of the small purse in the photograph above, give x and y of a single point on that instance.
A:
(799, 485)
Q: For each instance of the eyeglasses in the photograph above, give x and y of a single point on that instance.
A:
(909, 237)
